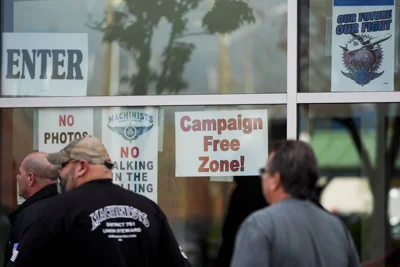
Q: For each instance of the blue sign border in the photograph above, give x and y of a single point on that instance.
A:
(363, 3)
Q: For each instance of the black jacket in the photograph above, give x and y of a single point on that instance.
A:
(26, 214)
(246, 198)
(5, 228)
(100, 224)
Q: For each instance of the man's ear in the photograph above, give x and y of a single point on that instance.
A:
(31, 179)
(275, 181)
(82, 168)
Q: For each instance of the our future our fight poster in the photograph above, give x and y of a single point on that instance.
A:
(363, 41)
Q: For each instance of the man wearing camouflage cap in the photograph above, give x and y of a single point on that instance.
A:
(97, 223)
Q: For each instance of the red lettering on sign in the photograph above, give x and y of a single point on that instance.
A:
(66, 120)
(127, 152)
(183, 127)
(223, 145)
(221, 166)
(202, 167)
(247, 125)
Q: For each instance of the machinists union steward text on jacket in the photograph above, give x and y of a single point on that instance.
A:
(101, 224)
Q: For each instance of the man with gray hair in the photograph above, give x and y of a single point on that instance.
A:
(36, 180)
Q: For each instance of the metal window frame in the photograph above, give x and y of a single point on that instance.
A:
(351, 97)
(292, 99)
(296, 98)
(162, 100)
(292, 68)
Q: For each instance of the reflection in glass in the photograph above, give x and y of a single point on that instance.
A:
(169, 47)
(357, 148)
(195, 206)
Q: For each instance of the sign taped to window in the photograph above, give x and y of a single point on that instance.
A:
(221, 143)
(58, 127)
(363, 45)
(44, 64)
(131, 138)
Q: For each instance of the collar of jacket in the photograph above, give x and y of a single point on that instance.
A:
(45, 192)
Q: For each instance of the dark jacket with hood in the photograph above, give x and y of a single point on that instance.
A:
(23, 217)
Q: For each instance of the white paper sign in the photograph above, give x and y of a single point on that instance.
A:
(363, 45)
(58, 127)
(44, 64)
(131, 138)
(221, 143)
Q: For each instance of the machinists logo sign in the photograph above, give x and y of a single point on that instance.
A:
(130, 125)
(131, 138)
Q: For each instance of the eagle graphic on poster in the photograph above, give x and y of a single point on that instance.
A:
(130, 132)
(362, 57)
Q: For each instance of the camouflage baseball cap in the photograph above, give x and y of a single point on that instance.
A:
(87, 148)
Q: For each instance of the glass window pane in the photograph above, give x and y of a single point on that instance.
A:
(357, 148)
(123, 47)
(348, 46)
(143, 143)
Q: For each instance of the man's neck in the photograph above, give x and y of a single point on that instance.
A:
(34, 190)
(280, 197)
(96, 173)
(93, 178)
